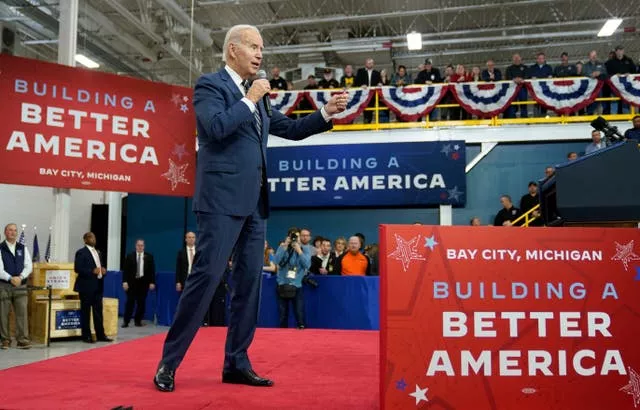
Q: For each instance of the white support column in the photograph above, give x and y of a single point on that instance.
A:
(446, 215)
(67, 35)
(114, 230)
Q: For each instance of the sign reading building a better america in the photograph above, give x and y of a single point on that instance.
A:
(68, 127)
(58, 279)
(402, 174)
(488, 318)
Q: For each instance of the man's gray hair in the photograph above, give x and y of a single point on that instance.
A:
(234, 35)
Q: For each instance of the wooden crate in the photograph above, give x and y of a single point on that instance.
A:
(65, 319)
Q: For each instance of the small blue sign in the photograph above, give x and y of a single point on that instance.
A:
(67, 319)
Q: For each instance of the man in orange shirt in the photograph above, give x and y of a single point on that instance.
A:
(352, 262)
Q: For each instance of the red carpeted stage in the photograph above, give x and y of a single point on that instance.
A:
(312, 369)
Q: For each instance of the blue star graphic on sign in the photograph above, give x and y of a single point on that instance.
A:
(401, 384)
(446, 150)
(430, 242)
(455, 193)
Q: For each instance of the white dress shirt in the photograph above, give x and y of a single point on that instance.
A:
(139, 266)
(191, 252)
(28, 265)
(96, 258)
(238, 81)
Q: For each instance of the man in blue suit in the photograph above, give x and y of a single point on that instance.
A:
(231, 201)
(90, 286)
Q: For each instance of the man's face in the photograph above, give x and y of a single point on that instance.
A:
(275, 73)
(490, 65)
(140, 246)
(311, 81)
(247, 54)
(593, 56)
(190, 239)
(475, 222)
(305, 237)
(573, 156)
(348, 71)
(354, 244)
(369, 63)
(90, 240)
(548, 171)
(517, 60)
(636, 123)
(401, 71)
(540, 59)
(325, 248)
(620, 54)
(506, 204)
(565, 59)
(11, 232)
(533, 189)
(595, 136)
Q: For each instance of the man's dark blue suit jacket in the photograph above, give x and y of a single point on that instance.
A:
(232, 155)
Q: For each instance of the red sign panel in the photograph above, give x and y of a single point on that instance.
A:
(65, 127)
(504, 318)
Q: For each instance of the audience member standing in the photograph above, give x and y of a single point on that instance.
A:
(15, 268)
(138, 278)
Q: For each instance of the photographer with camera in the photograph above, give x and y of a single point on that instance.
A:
(293, 260)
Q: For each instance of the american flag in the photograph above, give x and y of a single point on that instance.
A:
(21, 240)
(47, 251)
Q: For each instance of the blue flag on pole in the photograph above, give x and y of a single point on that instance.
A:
(36, 249)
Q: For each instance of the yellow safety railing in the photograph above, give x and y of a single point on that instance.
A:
(552, 118)
(528, 217)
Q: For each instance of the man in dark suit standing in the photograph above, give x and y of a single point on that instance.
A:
(231, 201)
(368, 77)
(184, 260)
(90, 286)
(138, 278)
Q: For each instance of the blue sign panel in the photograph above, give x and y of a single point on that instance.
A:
(67, 319)
(393, 174)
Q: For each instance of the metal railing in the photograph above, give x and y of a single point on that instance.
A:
(528, 216)
(550, 118)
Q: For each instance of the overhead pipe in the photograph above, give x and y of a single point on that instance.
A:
(202, 34)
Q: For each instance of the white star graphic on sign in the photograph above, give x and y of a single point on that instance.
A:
(419, 394)
(175, 174)
(456, 147)
(454, 193)
(633, 387)
(406, 251)
(446, 150)
(184, 108)
(624, 253)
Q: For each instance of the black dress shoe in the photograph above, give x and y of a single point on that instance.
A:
(247, 377)
(104, 339)
(124, 325)
(88, 340)
(164, 379)
(139, 324)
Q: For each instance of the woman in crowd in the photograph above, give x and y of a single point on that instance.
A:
(339, 245)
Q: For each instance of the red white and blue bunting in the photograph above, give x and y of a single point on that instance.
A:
(485, 99)
(627, 87)
(564, 96)
(412, 102)
(285, 101)
(356, 103)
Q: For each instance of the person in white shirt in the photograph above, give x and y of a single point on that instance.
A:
(184, 260)
(15, 267)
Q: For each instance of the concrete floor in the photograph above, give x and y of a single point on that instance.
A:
(17, 357)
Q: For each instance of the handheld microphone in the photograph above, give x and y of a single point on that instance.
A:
(262, 75)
